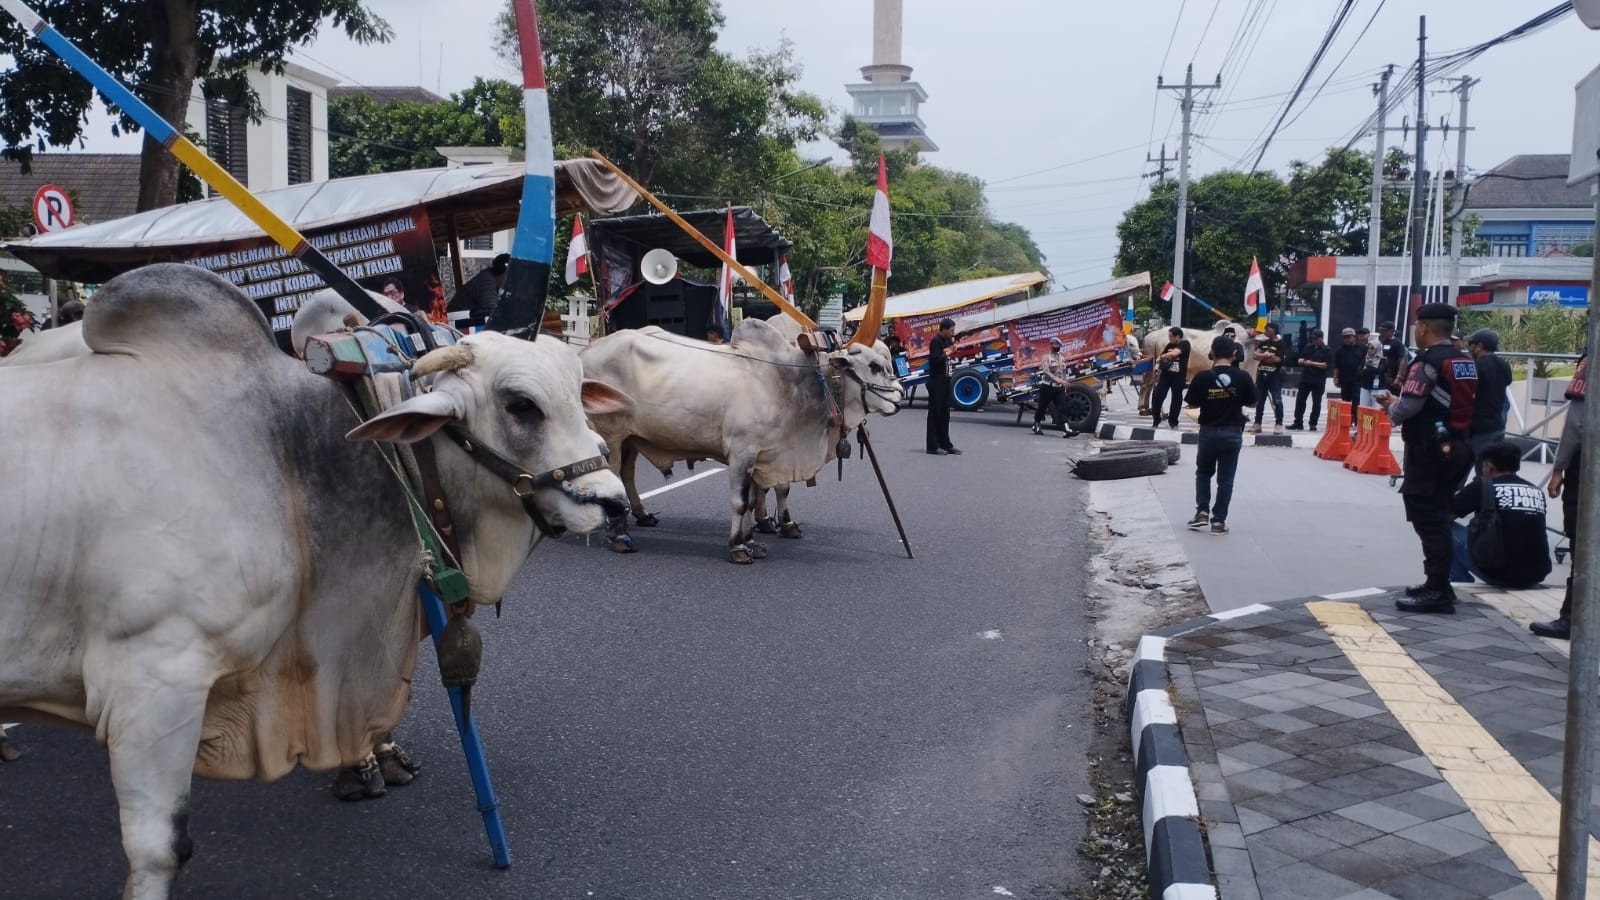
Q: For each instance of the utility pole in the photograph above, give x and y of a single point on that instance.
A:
(1419, 197)
(1464, 88)
(1161, 168)
(1375, 216)
(1180, 240)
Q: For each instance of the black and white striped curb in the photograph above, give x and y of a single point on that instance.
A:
(1111, 431)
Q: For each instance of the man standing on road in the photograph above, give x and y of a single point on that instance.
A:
(1314, 362)
(1269, 356)
(1052, 386)
(1494, 376)
(1434, 412)
(1238, 348)
(1174, 363)
(1347, 362)
(1564, 482)
(1394, 357)
(1221, 393)
(939, 390)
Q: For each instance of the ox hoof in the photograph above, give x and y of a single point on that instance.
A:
(791, 530)
(9, 751)
(768, 525)
(758, 551)
(622, 543)
(360, 782)
(740, 556)
(648, 520)
(397, 767)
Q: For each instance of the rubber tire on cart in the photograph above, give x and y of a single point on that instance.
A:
(1082, 406)
(969, 390)
(1174, 450)
(1130, 463)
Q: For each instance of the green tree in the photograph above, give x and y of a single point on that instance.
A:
(1329, 207)
(162, 48)
(367, 137)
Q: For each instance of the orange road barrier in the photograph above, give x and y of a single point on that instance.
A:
(1335, 443)
(1371, 454)
(1366, 432)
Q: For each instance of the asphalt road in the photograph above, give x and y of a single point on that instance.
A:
(835, 721)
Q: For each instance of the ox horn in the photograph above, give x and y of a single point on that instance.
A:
(444, 359)
(872, 319)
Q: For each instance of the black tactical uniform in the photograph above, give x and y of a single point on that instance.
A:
(1435, 418)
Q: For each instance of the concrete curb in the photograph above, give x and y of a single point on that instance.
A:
(1176, 854)
(1112, 432)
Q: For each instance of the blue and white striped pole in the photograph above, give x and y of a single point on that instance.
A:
(520, 307)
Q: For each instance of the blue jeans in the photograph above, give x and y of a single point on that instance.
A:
(1269, 386)
(1462, 567)
(1217, 453)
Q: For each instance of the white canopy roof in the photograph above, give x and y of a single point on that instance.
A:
(1044, 303)
(950, 296)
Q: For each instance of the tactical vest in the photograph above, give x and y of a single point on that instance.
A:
(1452, 399)
(1580, 380)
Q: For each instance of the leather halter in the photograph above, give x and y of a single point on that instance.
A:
(524, 484)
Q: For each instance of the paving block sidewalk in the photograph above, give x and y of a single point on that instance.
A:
(1341, 749)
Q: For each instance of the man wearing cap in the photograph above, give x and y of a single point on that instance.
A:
(1052, 386)
(1434, 412)
(1174, 364)
(1393, 352)
(1314, 362)
(1347, 360)
(1270, 351)
(939, 390)
(1494, 376)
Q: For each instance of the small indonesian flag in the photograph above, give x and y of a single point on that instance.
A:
(725, 285)
(785, 280)
(1127, 318)
(577, 251)
(1254, 290)
(880, 246)
(1166, 291)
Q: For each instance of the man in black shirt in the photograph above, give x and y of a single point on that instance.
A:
(1394, 358)
(1494, 376)
(1270, 351)
(1238, 348)
(478, 296)
(1521, 558)
(1221, 393)
(1314, 362)
(939, 390)
(1347, 366)
(1173, 363)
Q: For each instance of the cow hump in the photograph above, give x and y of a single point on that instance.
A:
(175, 306)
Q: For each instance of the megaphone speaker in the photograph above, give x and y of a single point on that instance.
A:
(658, 266)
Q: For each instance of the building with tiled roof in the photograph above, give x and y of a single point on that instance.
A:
(102, 186)
(384, 95)
(1527, 208)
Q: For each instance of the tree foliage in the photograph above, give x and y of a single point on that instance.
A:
(367, 137)
(161, 48)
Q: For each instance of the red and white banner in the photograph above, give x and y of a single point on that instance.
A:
(725, 284)
(880, 245)
(785, 280)
(1254, 290)
(577, 251)
(1167, 291)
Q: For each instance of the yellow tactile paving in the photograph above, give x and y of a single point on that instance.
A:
(1516, 810)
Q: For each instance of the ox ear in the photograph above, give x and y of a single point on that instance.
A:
(601, 399)
(411, 420)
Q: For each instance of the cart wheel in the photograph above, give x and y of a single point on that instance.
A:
(1082, 406)
(969, 390)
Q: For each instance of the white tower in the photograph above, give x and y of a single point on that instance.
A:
(889, 99)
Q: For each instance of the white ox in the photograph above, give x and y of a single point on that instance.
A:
(1199, 354)
(208, 572)
(755, 404)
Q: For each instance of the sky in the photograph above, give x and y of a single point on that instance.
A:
(1053, 103)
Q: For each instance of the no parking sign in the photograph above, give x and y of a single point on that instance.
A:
(52, 211)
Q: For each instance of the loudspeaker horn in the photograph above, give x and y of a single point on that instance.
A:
(658, 266)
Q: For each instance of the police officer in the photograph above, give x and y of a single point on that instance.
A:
(1052, 386)
(1564, 483)
(1434, 412)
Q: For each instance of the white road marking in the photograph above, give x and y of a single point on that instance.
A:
(678, 484)
(990, 635)
(1002, 891)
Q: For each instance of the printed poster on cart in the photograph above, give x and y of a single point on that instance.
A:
(916, 332)
(394, 247)
(1085, 331)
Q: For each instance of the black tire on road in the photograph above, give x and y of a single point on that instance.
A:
(969, 390)
(1081, 404)
(1132, 463)
(1173, 449)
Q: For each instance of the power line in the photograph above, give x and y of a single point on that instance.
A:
(1076, 162)
(1353, 44)
(1316, 59)
(1175, 23)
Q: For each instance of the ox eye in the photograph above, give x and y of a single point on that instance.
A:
(876, 368)
(522, 406)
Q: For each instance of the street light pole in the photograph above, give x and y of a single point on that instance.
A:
(818, 164)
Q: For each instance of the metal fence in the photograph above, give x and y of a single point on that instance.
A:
(1538, 405)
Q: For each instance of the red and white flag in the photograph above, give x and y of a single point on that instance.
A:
(577, 251)
(785, 280)
(880, 246)
(725, 285)
(1166, 291)
(1254, 291)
